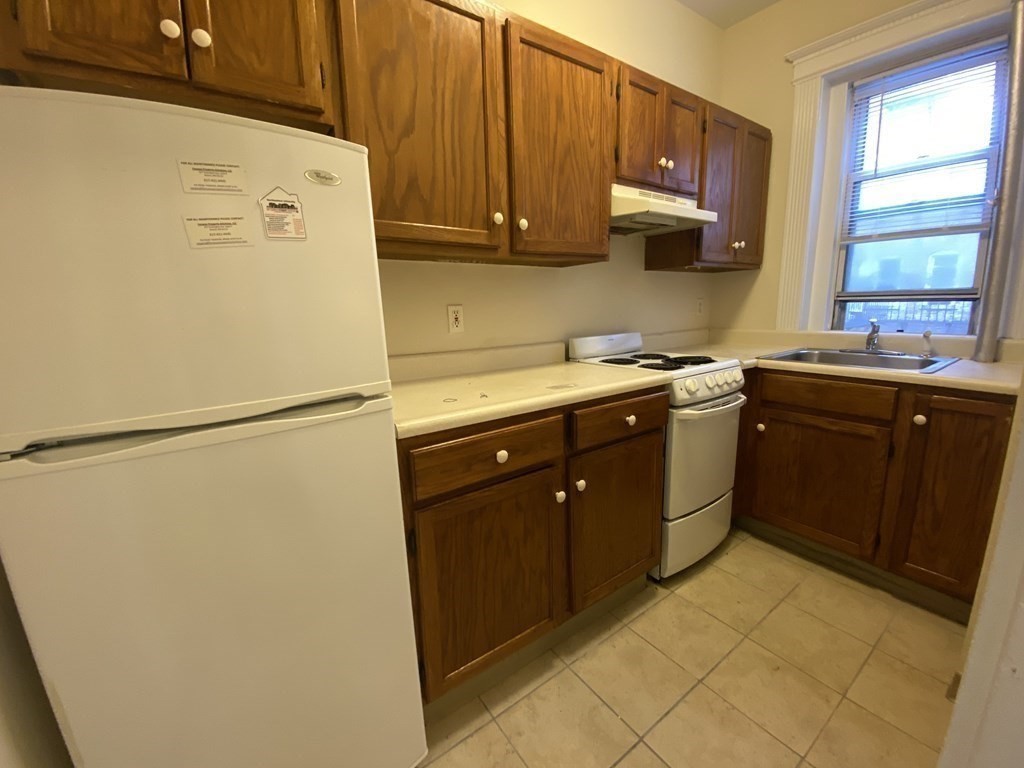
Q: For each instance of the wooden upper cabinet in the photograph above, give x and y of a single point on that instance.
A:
(491, 575)
(822, 478)
(683, 130)
(955, 462)
(659, 133)
(267, 50)
(641, 126)
(616, 518)
(422, 92)
(751, 200)
(120, 34)
(562, 107)
(723, 147)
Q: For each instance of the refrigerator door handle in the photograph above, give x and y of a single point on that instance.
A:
(131, 447)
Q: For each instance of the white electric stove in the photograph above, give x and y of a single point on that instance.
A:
(700, 447)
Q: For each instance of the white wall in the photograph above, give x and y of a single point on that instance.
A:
(758, 83)
(506, 305)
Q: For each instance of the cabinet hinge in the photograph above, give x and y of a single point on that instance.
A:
(704, 126)
(892, 450)
(323, 76)
(616, 154)
(618, 91)
(410, 542)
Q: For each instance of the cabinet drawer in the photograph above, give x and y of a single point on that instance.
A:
(867, 401)
(605, 423)
(445, 467)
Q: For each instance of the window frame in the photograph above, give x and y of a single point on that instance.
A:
(887, 81)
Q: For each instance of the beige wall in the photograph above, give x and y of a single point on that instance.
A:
(522, 305)
(757, 82)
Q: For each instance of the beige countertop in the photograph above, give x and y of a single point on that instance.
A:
(432, 405)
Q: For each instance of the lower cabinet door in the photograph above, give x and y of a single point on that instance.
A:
(822, 478)
(955, 461)
(616, 497)
(492, 573)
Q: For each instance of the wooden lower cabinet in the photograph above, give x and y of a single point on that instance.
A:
(615, 538)
(491, 574)
(904, 477)
(823, 478)
(954, 467)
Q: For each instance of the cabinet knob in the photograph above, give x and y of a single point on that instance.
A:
(170, 29)
(631, 420)
(499, 218)
(523, 224)
(735, 246)
(560, 497)
(760, 427)
(581, 485)
(920, 420)
(202, 38)
(671, 165)
(501, 456)
(743, 243)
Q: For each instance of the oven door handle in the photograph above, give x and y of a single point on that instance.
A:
(725, 406)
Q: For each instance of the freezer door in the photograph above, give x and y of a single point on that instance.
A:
(144, 284)
(233, 597)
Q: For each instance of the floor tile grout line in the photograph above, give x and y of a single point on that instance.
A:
(610, 707)
(510, 743)
(492, 719)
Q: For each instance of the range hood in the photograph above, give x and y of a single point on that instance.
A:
(639, 211)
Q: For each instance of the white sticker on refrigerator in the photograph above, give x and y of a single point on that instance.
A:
(218, 231)
(213, 178)
(282, 215)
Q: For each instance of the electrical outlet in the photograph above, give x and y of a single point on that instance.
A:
(456, 320)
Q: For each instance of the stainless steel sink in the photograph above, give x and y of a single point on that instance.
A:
(863, 359)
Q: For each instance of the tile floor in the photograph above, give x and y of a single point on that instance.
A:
(754, 657)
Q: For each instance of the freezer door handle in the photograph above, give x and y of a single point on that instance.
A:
(90, 453)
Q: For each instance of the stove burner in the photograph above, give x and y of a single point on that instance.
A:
(650, 356)
(691, 360)
(662, 366)
(619, 360)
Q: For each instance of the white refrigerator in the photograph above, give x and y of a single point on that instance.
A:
(200, 515)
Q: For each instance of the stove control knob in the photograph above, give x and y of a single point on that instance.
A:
(735, 376)
(709, 380)
(720, 378)
(739, 377)
(692, 386)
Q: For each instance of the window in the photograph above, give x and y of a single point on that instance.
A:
(919, 191)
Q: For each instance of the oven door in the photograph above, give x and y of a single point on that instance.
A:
(700, 458)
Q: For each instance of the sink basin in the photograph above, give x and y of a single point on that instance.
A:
(888, 360)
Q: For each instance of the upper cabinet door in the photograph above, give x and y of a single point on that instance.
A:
(641, 125)
(723, 143)
(683, 133)
(752, 193)
(120, 34)
(562, 104)
(253, 48)
(422, 92)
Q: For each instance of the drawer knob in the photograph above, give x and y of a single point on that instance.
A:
(760, 427)
(631, 420)
(170, 29)
(501, 456)
(202, 38)
(920, 420)
(499, 218)
(560, 497)
(581, 485)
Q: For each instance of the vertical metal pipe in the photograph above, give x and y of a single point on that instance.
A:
(993, 290)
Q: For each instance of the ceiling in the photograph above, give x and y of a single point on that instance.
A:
(725, 13)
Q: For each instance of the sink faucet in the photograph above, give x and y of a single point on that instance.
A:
(871, 344)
